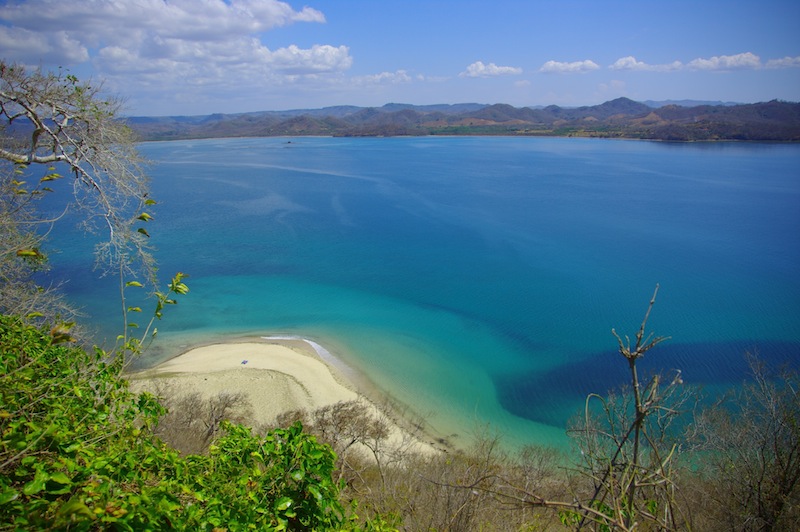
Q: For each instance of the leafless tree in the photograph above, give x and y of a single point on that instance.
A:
(193, 420)
(749, 445)
(627, 455)
(627, 449)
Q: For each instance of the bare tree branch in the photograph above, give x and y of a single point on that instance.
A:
(51, 120)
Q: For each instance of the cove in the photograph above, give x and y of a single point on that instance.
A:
(476, 279)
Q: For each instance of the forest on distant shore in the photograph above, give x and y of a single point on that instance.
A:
(621, 118)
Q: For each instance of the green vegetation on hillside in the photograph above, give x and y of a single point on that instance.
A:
(77, 452)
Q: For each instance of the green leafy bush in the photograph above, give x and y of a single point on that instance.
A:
(77, 451)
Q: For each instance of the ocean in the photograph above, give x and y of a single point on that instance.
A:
(476, 280)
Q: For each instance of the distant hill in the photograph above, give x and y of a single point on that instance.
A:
(619, 118)
(686, 103)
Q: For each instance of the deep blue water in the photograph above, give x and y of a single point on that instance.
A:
(478, 279)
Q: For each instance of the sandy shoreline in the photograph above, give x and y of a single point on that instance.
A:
(277, 374)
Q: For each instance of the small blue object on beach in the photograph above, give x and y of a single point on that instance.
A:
(244, 362)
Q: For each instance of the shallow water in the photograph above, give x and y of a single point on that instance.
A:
(477, 279)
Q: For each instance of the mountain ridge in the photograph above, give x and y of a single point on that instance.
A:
(618, 118)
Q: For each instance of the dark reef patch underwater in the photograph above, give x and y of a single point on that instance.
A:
(705, 365)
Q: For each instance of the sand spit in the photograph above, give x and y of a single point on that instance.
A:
(277, 374)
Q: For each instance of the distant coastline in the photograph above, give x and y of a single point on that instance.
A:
(775, 121)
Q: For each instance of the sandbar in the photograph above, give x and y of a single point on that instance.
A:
(276, 374)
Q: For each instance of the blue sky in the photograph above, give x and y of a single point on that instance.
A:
(171, 57)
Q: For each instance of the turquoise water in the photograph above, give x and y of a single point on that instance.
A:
(477, 279)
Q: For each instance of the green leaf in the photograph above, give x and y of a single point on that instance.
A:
(315, 492)
(180, 288)
(177, 285)
(316, 454)
(134, 283)
(75, 507)
(33, 252)
(8, 495)
(72, 448)
(50, 177)
(283, 504)
(36, 485)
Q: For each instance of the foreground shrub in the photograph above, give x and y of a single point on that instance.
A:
(77, 451)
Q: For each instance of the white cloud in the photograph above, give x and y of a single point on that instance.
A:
(317, 59)
(480, 70)
(186, 19)
(746, 60)
(564, 68)
(786, 62)
(630, 63)
(168, 49)
(399, 76)
(743, 61)
(125, 36)
(26, 46)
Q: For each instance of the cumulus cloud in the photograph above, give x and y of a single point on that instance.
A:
(28, 46)
(480, 70)
(743, 61)
(199, 42)
(198, 19)
(568, 68)
(631, 63)
(746, 60)
(786, 62)
(317, 59)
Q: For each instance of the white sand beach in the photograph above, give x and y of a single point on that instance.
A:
(276, 375)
